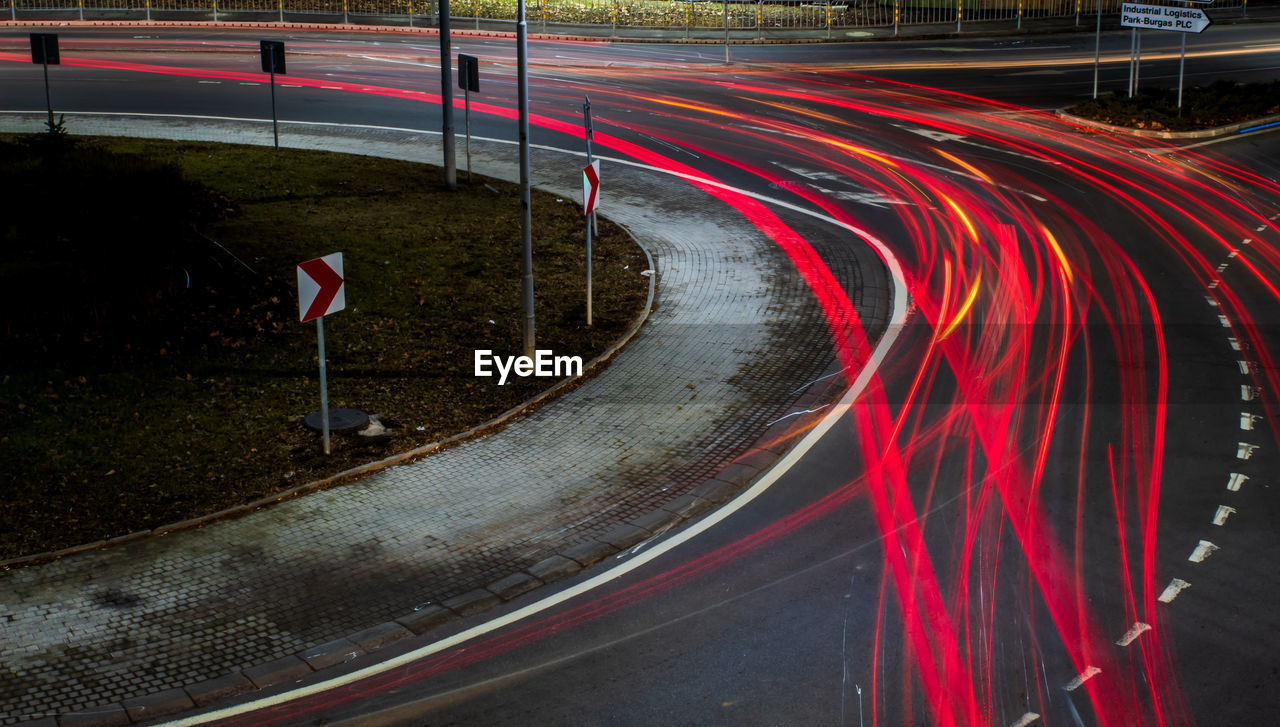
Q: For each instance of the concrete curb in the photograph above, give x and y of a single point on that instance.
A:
(590, 369)
(1173, 135)
(715, 491)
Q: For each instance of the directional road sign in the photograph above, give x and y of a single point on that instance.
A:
(321, 288)
(590, 187)
(1163, 17)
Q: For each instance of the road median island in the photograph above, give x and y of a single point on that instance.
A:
(155, 369)
(1154, 111)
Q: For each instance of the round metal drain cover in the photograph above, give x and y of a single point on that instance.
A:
(340, 420)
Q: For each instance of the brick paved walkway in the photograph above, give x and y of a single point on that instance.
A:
(734, 339)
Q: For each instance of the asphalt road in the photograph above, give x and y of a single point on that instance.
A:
(1052, 503)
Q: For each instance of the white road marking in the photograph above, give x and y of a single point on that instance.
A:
(1088, 673)
(1211, 301)
(1233, 254)
(1171, 591)
(250, 83)
(1247, 393)
(1247, 420)
(1246, 241)
(1213, 284)
(1220, 517)
(890, 336)
(1226, 322)
(1134, 632)
(1235, 481)
(1222, 267)
(1202, 551)
(1246, 367)
(1235, 345)
(1244, 450)
(1026, 719)
(212, 83)
(1260, 229)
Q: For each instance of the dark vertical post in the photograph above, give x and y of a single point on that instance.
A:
(275, 124)
(526, 213)
(446, 99)
(586, 123)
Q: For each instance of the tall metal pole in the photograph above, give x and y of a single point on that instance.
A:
(1133, 47)
(1182, 62)
(1097, 48)
(324, 386)
(526, 214)
(586, 124)
(1137, 64)
(48, 101)
(446, 99)
(726, 45)
(275, 125)
(466, 95)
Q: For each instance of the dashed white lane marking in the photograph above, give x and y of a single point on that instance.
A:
(1222, 267)
(1244, 450)
(1247, 420)
(1246, 241)
(213, 83)
(1235, 344)
(289, 85)
(1209, 299)
(1246, 367)
(1260, 229)
(1213, 284)
(1248, 393)
(1202, 551)
(1235, 481)
(1171, 591)
(1026, 719)
(250, 83)
(1088, 673)
(1134, 632)
(1220, 517)
(1226, 322)
(1233, 254)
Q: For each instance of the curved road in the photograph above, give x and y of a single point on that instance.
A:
(1051, 503)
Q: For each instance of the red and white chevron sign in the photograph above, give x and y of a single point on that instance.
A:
(321, 288)
(590, 187)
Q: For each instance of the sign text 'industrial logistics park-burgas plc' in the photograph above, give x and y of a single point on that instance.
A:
(1161, 17)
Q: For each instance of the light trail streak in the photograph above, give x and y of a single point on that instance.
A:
(1002, 383)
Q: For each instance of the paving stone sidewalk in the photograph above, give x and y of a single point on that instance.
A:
(731, 347)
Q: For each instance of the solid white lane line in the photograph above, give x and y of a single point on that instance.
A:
(1171, 591)
(1134, 632)
(881, 351)
(1202, 551)
(1089, 673)
(1220, 517)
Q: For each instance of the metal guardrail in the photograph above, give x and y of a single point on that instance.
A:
(760, 15)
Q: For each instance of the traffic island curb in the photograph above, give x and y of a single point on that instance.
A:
(1217, 131)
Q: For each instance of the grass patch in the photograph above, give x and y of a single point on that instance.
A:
(1203, 107)
(154, 368)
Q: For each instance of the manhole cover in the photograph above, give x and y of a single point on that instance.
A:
(340, 420)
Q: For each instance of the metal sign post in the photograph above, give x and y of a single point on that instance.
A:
(468, 81)
(273, 63)
(44, 50)
(526, 211)
(1162, 17)
(1097, 47)
(588, 201)
(321, 291)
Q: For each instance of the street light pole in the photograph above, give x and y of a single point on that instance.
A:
(526, 214)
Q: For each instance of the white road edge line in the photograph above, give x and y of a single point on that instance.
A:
(896, 324)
